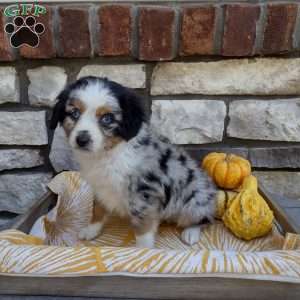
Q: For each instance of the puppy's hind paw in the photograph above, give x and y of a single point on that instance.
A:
(90, 232)
(191, 235)
(146, 240)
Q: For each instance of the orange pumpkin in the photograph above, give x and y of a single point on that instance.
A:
(227, 170)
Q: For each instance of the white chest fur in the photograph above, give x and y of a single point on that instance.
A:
(108, 175)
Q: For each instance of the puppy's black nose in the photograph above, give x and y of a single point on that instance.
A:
(83, 138)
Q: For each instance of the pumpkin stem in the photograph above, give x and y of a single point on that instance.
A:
(228, 157)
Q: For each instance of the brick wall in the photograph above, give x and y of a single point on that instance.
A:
(222, 77)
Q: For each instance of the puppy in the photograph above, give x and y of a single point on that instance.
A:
(135, 173)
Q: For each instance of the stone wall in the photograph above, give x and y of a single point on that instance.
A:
(218, 77)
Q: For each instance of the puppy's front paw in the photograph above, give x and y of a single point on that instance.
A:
(90, 232)
(191, 235)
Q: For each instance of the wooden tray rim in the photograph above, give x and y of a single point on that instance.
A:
(25, 221)
(165, 286)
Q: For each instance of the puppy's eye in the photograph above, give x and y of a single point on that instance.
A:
(75, 114)
(107, 119)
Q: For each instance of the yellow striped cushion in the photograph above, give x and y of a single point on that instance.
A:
(219, 253)
(32, 258)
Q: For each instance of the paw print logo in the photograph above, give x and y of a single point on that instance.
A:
(24, 31)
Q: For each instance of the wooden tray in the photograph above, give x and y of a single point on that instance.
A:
(144, 286)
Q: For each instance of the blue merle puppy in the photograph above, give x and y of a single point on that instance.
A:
(135, 173)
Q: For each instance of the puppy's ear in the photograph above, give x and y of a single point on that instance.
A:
(133, 114)
(58, 114)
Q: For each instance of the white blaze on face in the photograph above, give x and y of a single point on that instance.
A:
(94, 97)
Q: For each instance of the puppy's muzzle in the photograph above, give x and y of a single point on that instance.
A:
(83, 139)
